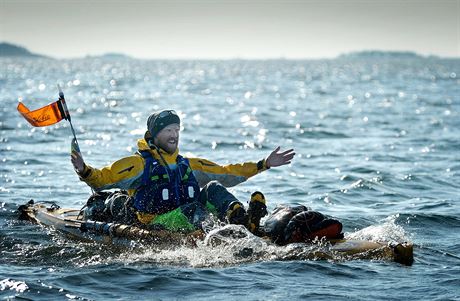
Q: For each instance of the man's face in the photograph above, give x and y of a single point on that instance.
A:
(168, 138)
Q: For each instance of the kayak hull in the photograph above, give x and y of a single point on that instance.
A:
(70, 222)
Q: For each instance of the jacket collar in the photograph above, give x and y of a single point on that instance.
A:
(169, 158)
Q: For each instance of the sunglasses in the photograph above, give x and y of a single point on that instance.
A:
(166, 113)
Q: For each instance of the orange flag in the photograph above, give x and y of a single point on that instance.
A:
(48, 115)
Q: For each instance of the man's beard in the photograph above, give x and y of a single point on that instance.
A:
(168, 147)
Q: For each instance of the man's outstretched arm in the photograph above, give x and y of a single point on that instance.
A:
(233, 174)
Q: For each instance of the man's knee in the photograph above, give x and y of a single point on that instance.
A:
(218, 196)
(213, 186)
(213, 191)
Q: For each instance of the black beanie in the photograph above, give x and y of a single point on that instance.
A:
(161, 119)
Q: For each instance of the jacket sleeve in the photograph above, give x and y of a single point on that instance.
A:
(227, 175)
(125, 173)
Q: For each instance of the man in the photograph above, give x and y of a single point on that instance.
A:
(168, 190)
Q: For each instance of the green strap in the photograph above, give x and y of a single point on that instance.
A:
(187, 174)
(156, 178)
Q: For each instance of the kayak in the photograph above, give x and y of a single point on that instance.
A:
(71, 223)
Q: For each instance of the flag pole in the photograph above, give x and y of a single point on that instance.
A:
(75, 145)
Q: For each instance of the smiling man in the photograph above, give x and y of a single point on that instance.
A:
(168, 190)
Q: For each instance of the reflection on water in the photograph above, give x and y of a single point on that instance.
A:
(376, 142)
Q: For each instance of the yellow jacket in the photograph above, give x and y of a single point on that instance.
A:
(126, 173)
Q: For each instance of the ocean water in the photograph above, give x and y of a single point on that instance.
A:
(377, 142)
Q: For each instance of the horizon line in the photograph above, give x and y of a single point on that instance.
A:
(183, 58)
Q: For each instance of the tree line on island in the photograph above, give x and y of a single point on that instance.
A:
(11, 50)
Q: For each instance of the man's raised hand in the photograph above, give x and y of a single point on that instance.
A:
(277, 158)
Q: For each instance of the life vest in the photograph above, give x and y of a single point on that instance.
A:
(164, 189)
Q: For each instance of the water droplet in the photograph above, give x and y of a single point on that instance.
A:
(71, 296)
(245, 118)
(42, 87)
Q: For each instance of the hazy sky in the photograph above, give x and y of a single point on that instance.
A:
(231, 29)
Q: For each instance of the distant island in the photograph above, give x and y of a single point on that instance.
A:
(11, 50)
(7, 49)
(110, 55)
(378, 54)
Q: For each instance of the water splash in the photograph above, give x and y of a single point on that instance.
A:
(222, 246)
(386, 231)
(232, 245)
(18, 286)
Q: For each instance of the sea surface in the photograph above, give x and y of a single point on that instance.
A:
(377, 141)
